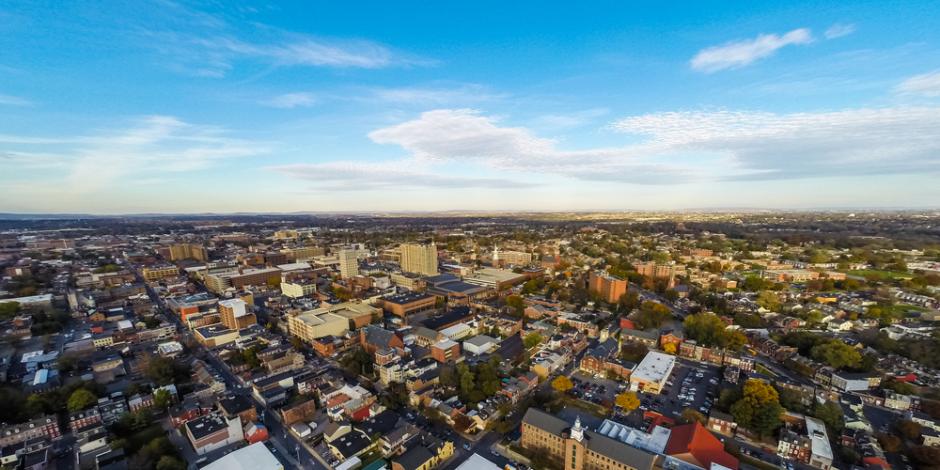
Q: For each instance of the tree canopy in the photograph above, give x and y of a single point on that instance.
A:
(759, 408)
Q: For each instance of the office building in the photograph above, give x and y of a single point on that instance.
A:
(348, 263)
(155, 273)
(234, 314)
(419, 258)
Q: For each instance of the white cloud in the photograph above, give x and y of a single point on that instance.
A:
(365, 176)
(291, 100)
(436, 95)
(898, 140)
(572, 119)
(150, 146)
(839, 30)
(738, 54)
(215, 54)
(927, 84)
(10, 100)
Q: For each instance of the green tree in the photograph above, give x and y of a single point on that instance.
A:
(759, 408)
(162, 399)
(168, 462)
(769, 300)
(81, 399)
(517, 303)
(161, 370)
(651, 315)
(836, 354)
(831, 414)
(532, 340)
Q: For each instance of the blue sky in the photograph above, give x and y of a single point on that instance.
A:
(165, 106)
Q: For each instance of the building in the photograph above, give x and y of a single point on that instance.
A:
(408, 303)
(44, 426)
(155, 273)
(237, 279)
(658, 271)
(610, 288)
(298, 288)
(181, 251)
(213, 431)
(419, 258)
(820, 449)
(445, 351)
(234, 314)
(348, 263)
(253, 457)
(694, 446)
(652, 372)
(576, 448)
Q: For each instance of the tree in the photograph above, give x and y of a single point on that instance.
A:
(889, 442)
(709, 330)
(837, 354)
(759, 408)
(161, 370)
(81, 399)
(168, 462)
(909, 429)
(669, 348)
(768, 300)
(628, 401)
(831, 414)
(690, 416)
(651, 315)
(532, 340)
(517, 303)
(562, 384)
(162, 399)
(633, 352)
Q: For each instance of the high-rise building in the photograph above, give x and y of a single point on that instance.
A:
(234, 314)
(608, 287)
(419, 258)
(348, 263)
(181, 251)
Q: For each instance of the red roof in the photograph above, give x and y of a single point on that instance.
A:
(702, 445)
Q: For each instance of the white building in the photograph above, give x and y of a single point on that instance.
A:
(652, 372)
(253, 457)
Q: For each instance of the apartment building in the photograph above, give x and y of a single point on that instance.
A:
(610, 288)
(419, 258)
(234, 314)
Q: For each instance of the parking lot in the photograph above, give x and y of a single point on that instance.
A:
(691, 385)
(596, 390)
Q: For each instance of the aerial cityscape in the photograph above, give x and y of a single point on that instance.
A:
(469, 235)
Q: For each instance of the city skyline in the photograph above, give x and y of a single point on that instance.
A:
(166, 107)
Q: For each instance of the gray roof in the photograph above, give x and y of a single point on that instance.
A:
(616, 450)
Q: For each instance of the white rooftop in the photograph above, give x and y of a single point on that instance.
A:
(478, 462)
(816, 430)
(655, 367)
(254, 457)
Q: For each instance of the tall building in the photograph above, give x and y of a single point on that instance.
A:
(348, 263)
(181, 251)
(419, 258)
(234, 314)
(610, 288)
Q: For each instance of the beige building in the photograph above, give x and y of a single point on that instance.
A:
(310, 326)
(297, 289)
(155, 273)
(348, 263)
(234, 314)
(419, 258)
(576, 448)
(181, 251)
